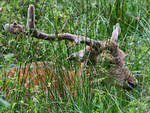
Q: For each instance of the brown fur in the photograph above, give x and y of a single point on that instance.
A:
(38, 73)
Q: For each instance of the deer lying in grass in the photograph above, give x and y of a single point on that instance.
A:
(34, 74)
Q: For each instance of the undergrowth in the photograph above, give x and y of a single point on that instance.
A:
(92, 18)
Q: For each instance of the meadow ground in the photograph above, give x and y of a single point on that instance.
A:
(92, 18)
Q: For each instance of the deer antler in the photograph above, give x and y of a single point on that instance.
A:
(13, 28)
(16, 28)
(64, 36)
(116, 33)
(41, 35)
(98, 45)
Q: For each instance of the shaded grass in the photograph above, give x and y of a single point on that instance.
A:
(92, 18)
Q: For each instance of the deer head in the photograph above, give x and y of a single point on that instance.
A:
(114, 57)
(93, 53)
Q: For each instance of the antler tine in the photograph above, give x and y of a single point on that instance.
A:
(65, 36)
(31, 17)
(115, 33)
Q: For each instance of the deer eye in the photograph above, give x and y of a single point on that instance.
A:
(132, 85)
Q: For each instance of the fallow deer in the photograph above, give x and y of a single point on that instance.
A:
(34, 73)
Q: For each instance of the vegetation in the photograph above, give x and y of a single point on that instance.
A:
(92, 18)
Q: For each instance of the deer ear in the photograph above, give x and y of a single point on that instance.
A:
(115, 33)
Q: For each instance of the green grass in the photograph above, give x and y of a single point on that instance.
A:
(92, 18)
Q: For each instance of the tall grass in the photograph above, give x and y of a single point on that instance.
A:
(92, 18)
